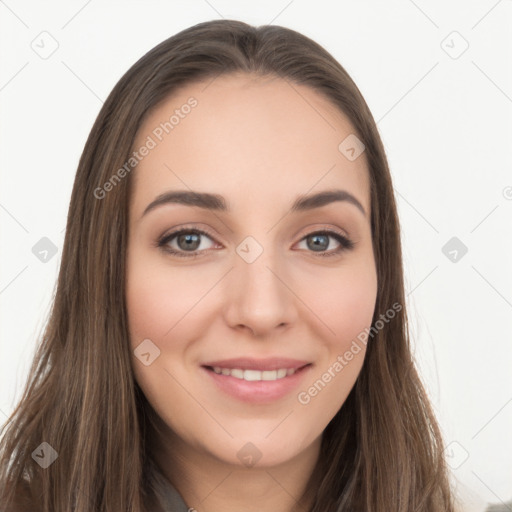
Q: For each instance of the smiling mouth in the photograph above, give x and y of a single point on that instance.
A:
(252, 375)
(257, 381)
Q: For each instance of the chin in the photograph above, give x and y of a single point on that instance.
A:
(257, 451)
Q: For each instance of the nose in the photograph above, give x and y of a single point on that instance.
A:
(260, 297)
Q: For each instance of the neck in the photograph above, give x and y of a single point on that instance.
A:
(208, 484)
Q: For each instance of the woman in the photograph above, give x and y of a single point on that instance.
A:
(269, 369)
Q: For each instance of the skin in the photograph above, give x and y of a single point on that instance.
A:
(260, 143)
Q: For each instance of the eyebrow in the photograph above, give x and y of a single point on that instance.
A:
(216, 202)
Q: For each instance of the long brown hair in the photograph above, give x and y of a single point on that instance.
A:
(382, 451)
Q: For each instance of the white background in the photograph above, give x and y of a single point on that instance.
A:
(446, 126)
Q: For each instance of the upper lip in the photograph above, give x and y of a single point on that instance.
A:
(248, 363)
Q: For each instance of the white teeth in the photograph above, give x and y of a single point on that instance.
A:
(255, 375)
(252, 375)
(236, 372)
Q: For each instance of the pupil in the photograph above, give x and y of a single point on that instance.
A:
(320, 245)
(190, 239)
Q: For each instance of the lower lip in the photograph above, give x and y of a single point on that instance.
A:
(259, 391)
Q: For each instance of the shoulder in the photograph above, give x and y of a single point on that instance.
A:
(169, 499)
(505, 507)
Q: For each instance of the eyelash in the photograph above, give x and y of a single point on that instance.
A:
(345, 243)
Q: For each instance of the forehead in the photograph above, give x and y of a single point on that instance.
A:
(245, 137)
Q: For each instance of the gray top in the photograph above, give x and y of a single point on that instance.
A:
(504, 507)
(170, 499)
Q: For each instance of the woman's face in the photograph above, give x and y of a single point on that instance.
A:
(220, 321)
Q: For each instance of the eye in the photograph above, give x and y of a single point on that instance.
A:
(318, 241)
(188, 241)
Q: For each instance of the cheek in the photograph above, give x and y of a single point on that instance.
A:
(345, 308)
(158, 300)
(161, 304)
(343, 301)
